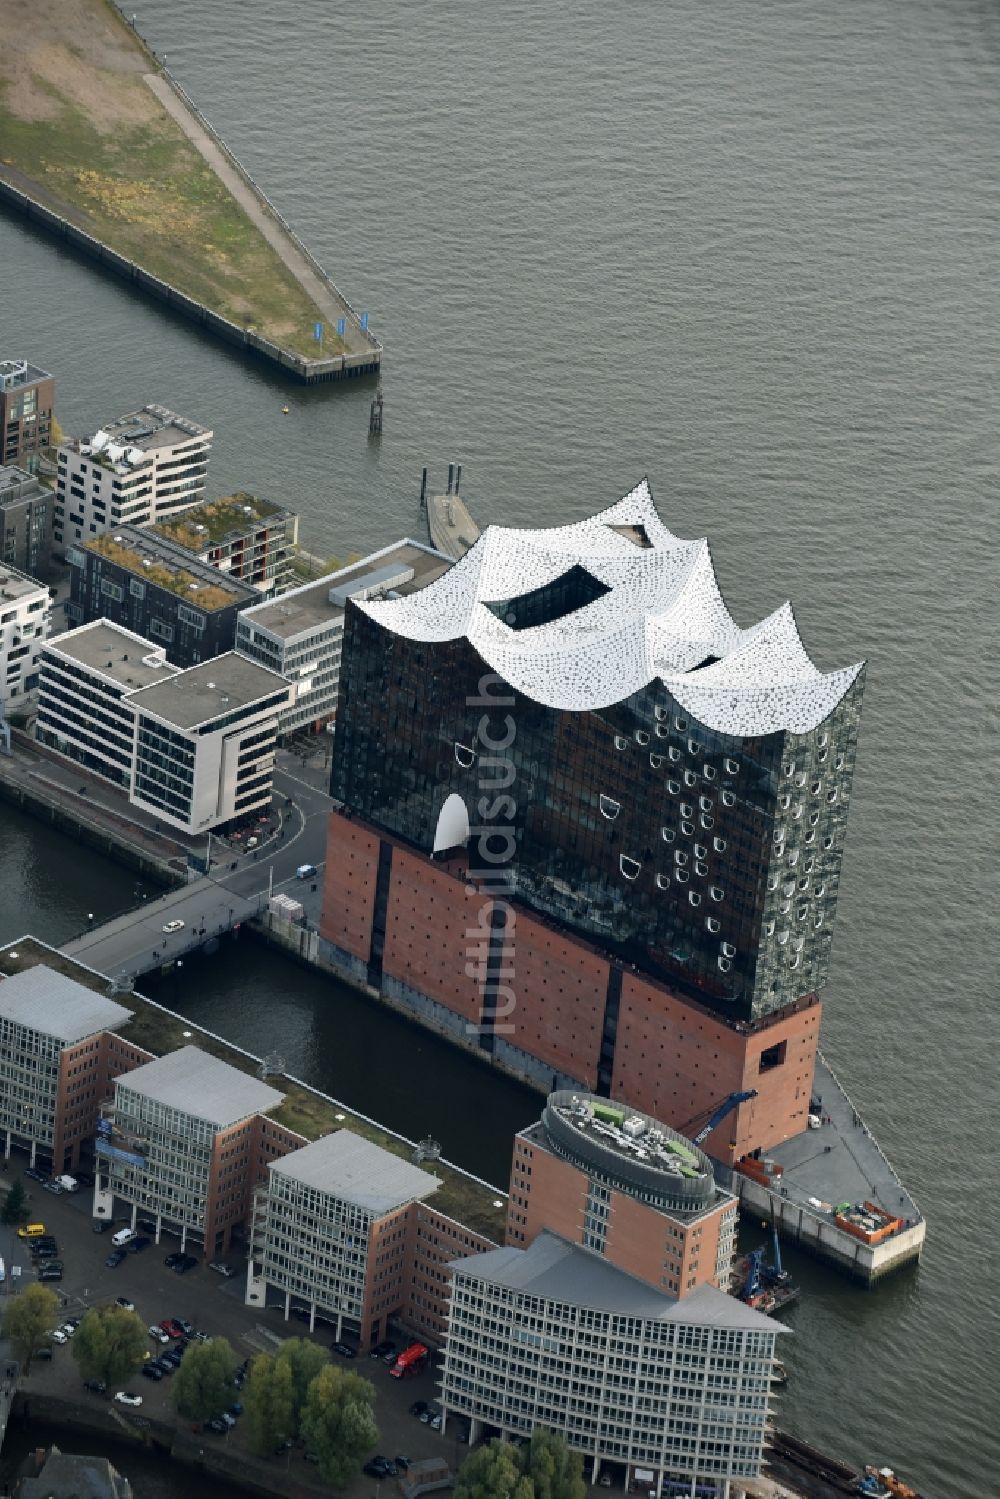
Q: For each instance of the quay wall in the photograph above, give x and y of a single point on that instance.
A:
(309, 371)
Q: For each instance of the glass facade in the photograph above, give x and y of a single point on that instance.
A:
(707, 860)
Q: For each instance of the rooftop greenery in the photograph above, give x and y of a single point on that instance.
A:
(178, 580)
(220, 520)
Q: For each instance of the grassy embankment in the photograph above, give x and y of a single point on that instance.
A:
(303, 1111)
(142, 188)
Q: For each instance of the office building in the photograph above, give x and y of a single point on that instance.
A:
(632, 1190)
(195, 747)
(25, 522)
(241, 535)
(27, 402)
(671, 1393)
(301, 633)
(142, 468)
(138, 579)
(58, 1055)
(180, 1145)
(25, 622)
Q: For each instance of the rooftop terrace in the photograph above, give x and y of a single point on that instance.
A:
(308, 1113)
(217, 521)
(171, 567)
(16, 374)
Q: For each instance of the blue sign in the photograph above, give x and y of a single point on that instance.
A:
(341, 329)
(103, 1148)
(364, 320)
(104, 1126)
(317, 331)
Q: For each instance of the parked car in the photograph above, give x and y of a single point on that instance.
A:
(217, 1425)
(138, 1244)
(183, 1264)
(147, 1225)
(53, 1187)
(99, 1227)
(285, 1445)
(171, 1328)
(125, 1397)
(69, 1328)
(115, 1258)
(31, 1231)
(45, 1353)
(159, 1334)
(96, 1386)
(170, 1260)
(377, 1467)
(162, 1365)
(85, 1178)
(151, 1371)
(45, 1252)
(228, 1418)
(381, 1349)
(418, 1407)
(402, 1464)
(58, 1336)
(172, 926)
(125, 1304)
(221, 1269)
(305, 872)
(51, 1272)
(33, 1174)
(344, 1349)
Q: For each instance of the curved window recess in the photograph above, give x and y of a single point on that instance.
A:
(709, 772)
(784, 801)
(694, 898)
(728, 799)
(719, 844)
(772, 882)
(798, 943)
(803, 884)
(687, 828)
(827, 842)
(813, 819)
(673, 787)
(464, 755)
(788, 770)
(680, 724)
(831, 796)
(728, 950)
(816, 787)
(700, 868)
(716, 892)
(796, 811)
(793, 857)
(656, 761)
(629, 867)
(819, 921)
(794, 963)
(707, 822)
(788, 889)
(779, 849)
(621, 742)
(823, 740)
(661, 714)
(663, 882)
(769, 928)
(609, 808)
(803, 912)
(686, 809)
(732, 767)
(662, 731)
(819, 891)
(668, 835)
(800, 778)
(810, 837)
(700, 851)
(724, 965)
(689, 778)
(821, 757)
(782, 938)
(681, 876)
(694, 748)
(838, 764)
(807, 864)
(705, 803)
(785, 907)
(674, 752)
(680, 857)
(712, 923)
(641, 736)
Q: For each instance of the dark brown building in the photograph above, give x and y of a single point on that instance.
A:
(27, 401)
(25, 522)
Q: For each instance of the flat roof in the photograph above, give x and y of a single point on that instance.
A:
(151, 427)
(156, 559)
(114, 653)
(208, 691)
(214, 522)
(556, 1270)
(17, 485)
(15, 374)
(43, 1000)
(358, 1171)
(196, 1083)
(305, 607)
(17, 585)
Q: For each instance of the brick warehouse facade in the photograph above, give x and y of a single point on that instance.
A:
(398, 923)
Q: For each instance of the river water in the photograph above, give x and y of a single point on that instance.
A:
(750, 251)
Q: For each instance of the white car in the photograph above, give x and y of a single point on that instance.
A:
(125, 1304)
(59, 1336)
(159, 1335)
(168, 927)
(69, 1328)
(124, 1398)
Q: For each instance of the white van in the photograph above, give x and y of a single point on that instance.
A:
(68, 1183)
(122, 1237)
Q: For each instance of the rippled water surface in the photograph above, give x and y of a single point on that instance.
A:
(751, 251)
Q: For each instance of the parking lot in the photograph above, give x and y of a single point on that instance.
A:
(213, 1305)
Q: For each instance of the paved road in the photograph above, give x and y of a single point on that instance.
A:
(134, 943)
(326, 298)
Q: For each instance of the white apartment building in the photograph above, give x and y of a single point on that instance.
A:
(138, 470)
(300, 634)
(673, 1392)
(195, 747)
(25, 624)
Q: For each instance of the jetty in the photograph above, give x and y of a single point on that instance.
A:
(451, 529)
(103, 149)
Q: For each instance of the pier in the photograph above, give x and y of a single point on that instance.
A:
(451, 529)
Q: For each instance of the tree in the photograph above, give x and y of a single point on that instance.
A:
(555, 1471)
(15, 1209)
(29, 1320)
(109, 1344)
(269, 1403)
(305, 1360)
(337, 1422)
(490, 1472)
(203, 1385)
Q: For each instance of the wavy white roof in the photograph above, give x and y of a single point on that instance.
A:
(662, 615)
